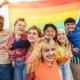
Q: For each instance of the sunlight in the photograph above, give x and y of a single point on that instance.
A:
(1, 1)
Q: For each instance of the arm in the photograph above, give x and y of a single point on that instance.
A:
(20, 44)
(61, 59)
(4, 3)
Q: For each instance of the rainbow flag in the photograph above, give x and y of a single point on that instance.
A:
(44, 11)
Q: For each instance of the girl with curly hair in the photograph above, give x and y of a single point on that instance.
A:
(42, 64)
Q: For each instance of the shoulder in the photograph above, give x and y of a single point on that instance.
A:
(7, 31)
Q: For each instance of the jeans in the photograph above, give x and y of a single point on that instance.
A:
(19, 70)
(64, 70)
(6, 72)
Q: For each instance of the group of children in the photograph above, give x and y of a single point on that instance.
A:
(37, 56)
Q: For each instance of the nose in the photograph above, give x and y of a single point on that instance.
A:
(50, 33)
(52, 52)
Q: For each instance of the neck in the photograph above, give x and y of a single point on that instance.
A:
(18, 36)
(48, 63)
(63, 44)
(32, 44)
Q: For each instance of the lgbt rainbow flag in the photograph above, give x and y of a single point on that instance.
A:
(44, 11)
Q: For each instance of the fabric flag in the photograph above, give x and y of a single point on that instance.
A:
(42, 12)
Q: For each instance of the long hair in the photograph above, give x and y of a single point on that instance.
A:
(67, 45)
(36, 56)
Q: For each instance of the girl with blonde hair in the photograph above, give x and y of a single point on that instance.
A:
(42, 64)
(64, 54)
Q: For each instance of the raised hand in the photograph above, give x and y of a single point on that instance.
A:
(69, 54)
(75, 50)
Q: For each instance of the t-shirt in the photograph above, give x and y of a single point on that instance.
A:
(44, 72)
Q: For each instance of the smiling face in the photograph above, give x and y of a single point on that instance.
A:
(70, 26)
(50, 32)
(48, 52)
(32, 35)
(20, 27)
(61, 36)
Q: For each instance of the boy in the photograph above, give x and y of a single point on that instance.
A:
(74, 37)
(6, 68)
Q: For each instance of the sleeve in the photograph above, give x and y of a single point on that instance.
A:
(61, 59)
(20, 44)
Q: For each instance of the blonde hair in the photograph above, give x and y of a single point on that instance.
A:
(67, 45)
(36, 56)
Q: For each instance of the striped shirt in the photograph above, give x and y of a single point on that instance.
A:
(75, 60)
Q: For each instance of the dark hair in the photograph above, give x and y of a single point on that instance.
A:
(38, 30)
(52, 26)
(69, 20)
(19, 19)
(1, 17)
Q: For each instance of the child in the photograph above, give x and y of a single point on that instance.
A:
(74, 37)
(42, 64)
(63, 54)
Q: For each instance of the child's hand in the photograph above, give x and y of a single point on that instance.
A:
(75, 50)
(7, 47)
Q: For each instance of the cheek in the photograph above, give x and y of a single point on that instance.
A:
(46, 33)
(58, 38)
(54, 34)
(36, 36)
(28, 36)
(16, 27)
(65, 36)
(73, 26)
(44, 55)
(66, 27)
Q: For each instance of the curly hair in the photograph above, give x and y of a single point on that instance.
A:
(36, 56)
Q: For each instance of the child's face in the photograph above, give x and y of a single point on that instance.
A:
(20, 27)
(32, 35)
(50, 32)
(70, 26)
(61, 36)
(48, 53)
